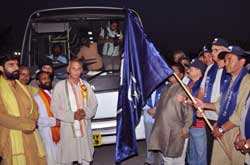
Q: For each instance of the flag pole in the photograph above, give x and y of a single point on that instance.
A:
(201, 111)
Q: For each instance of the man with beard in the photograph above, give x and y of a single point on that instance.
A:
(20, 142)
(74, 104)
(48, 125)
(46, 66)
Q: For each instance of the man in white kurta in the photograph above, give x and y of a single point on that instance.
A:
(74, 104)
(46, 121)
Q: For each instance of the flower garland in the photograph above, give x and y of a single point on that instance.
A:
(83, 88)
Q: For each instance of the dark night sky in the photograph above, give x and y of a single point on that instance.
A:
(171, 24)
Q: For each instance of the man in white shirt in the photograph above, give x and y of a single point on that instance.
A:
(48, 125)
(74, 104)
(111, 37)
(212, 84)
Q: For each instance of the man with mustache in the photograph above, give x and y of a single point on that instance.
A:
(74, 104)
(24, 75)
(48, 125)
(46, 66)
(24, 78)
(229, 106)
(20, 142)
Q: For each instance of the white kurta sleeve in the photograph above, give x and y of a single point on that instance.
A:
(58, 104)
(46, 121)
(43, 120)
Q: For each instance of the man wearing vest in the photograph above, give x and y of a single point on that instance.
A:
(20, 143)
(48, 125)
(229, 107)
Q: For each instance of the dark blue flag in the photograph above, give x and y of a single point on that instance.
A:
(143, 70)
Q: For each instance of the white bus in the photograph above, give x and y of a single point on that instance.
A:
(65, 27)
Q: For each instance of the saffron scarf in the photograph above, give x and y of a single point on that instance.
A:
(55, 130)
(229, 98)
(16, 136)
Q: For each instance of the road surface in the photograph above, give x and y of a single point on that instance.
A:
(105, 155)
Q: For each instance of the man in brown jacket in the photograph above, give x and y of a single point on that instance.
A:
(20, 142)
(172, 122)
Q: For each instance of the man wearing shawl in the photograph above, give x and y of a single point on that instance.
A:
(229, 107)
(20, 142)
(48, 125)
(74, 104)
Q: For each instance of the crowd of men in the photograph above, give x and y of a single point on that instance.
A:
(219, 81)
(47, 121)
(41, 126)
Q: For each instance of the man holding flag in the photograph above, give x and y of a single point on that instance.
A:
(143, 70)
(173, 119)
(229, 107)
